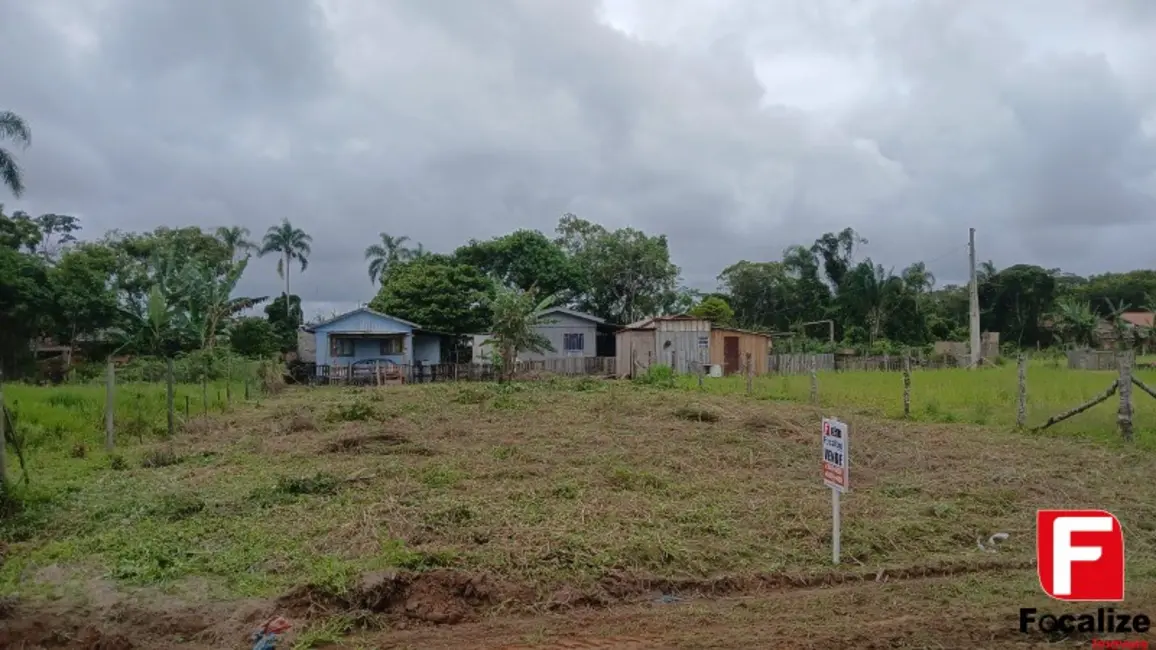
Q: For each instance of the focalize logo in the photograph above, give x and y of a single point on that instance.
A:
(1080, 558)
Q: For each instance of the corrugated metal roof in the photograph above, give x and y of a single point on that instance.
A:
(1138, 318)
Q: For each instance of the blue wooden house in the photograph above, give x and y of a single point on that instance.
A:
(367, 339)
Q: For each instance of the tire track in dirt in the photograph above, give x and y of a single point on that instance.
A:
(449, 609)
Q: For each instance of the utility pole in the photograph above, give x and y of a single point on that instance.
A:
(975, 352)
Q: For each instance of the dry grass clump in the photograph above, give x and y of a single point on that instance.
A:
(199, 425)
(163, 457)
(300, 420)
(271, 375)
(696, 413)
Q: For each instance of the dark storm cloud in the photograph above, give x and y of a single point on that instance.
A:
(737, 128)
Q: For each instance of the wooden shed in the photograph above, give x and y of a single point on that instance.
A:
(729, 348)
(681, 342)
(685, 343)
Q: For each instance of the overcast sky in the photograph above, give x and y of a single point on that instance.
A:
(736, 127)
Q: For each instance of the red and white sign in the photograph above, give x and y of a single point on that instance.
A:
(836, 450)
(1080, 555)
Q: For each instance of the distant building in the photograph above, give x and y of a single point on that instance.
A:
(571, 333)
(685, 342)
(1107, 335)
(369, 338)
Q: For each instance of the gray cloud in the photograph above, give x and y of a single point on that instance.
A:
(736, 127)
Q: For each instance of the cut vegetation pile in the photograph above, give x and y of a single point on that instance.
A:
(357, 510)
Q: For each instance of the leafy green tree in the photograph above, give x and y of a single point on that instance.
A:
(138, 255)
(516, 317)
(714, 309)
(1015, 301)
(291, 244)
(525, 259)
(1132, 287)
(13, 128)
(56, 233)
(25, 298)
(285, 317)
(87, 301)
(438, 293)
(254, 337)
(758, 293)
(382, 257)
(624, 274)
(19, 231)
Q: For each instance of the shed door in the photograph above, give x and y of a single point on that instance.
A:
(730, 355)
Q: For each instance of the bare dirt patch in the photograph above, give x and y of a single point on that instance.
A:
(440, 596)
(130, 625)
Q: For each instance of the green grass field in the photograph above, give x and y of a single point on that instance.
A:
(72, 414)
(985, 397)
(562, 491)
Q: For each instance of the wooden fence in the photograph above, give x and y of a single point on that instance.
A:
(1093, 360)
(801, 364)
(369, 374)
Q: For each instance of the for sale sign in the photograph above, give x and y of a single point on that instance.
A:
(836, 448)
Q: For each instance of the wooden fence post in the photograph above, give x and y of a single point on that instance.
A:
(169, 395)
(1022, 401)
(109, 406)
(204, 394)
(701, 369)
(229, 382)
(246, 389)
(814, 381)
(1124, 412)
(673, 366)
(3, 437)
(750, 375)
(906, 385)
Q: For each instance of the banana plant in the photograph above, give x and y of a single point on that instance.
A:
(156, 327)
(517, 314)
(206, 293)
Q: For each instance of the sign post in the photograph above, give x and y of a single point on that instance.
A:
(836, 450)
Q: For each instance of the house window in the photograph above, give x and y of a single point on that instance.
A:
(704, 341)
(341, 347)
(391, 346)
(573, 343)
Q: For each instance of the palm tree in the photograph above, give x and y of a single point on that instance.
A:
(386, 255)
(986, 272)
(13, 127)
(236, 238)
(918, 279)
(418, 252)
(292, 244)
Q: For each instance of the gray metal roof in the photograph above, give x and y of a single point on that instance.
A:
(576, 314)
(313, 328)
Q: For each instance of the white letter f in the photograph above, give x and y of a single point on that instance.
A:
(1063, 553)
